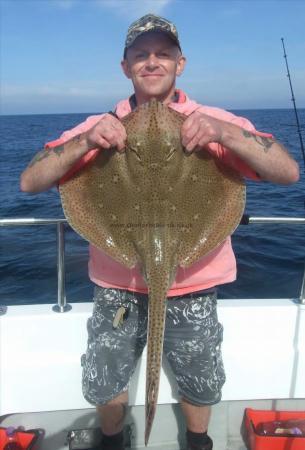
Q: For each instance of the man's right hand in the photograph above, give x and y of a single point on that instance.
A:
(107, 133)
(50, 165)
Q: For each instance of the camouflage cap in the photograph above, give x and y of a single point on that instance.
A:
(151, 22)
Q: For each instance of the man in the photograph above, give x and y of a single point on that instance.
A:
(152, 61)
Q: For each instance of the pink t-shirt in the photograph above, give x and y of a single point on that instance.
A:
(219, 266)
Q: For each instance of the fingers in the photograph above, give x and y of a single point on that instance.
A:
(198, 130)
(189, 131)
(115, 134)
(107, 133)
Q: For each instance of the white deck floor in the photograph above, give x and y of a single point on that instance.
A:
(168, 429)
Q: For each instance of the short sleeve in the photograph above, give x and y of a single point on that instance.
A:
(70, 134)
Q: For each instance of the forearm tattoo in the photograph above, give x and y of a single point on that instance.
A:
(57, 150)
(46, 153)
(263, 141)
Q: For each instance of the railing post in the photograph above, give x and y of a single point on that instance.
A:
(3, 310)
(302, 293)
(62, 305)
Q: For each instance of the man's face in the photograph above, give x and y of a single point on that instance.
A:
(152, 63)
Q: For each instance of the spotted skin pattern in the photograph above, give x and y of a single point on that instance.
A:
(156, 206)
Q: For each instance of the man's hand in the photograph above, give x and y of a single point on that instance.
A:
(199, 129)
(108, 132)
(264, 155)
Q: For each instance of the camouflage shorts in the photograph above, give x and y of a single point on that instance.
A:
(192, 343)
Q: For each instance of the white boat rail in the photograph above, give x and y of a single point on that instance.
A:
(63, 306)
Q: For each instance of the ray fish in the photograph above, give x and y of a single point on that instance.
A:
(156, 206)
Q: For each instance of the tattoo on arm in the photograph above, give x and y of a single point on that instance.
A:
(263, 141)
(57, 150)
(46, 153)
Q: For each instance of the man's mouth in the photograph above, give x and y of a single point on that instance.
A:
(147, 75)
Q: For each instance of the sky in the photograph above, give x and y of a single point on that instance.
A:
(63, 56)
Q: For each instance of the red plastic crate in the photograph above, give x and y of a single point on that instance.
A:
(27, 439)
(256, 442)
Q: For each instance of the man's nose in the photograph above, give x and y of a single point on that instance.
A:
(152, 61)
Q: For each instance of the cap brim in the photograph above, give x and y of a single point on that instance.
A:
(155, 30)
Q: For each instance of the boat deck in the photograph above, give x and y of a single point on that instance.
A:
(40, 372)
(168, 431)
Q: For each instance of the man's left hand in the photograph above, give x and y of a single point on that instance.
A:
(199, 129)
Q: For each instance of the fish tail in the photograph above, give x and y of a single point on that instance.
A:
(149, 415)
(156, 325)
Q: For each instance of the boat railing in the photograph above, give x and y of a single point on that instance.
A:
(62, 305)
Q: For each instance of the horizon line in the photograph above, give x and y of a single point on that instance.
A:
(104, 112)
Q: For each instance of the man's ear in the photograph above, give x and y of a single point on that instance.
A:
(180, 65)
(125, 68)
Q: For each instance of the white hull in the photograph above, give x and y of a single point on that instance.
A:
(40, 374)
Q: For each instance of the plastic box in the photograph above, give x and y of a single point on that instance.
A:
(256, 442)
(28, 439)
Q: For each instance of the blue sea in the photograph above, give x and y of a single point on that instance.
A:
(270, 258)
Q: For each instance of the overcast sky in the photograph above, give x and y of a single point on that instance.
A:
(64, 55)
